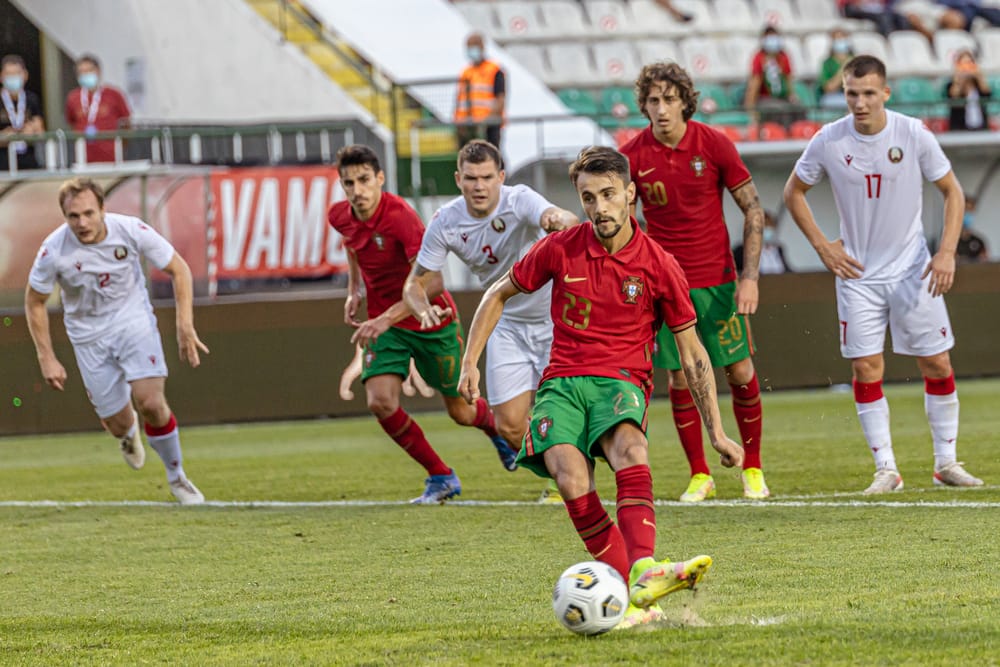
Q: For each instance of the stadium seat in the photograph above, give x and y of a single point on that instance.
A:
(705, 60)
(516, 19)
(656, 50)
(815, 49)
(872, 44)
(703, 19)
(806, 92)
(734, 134)
(767, 132)
(650, 19)
(781, 14)
(804, 129)
(531, 56)
(732, 118)
(918, 96)
(937, 125)
(578, 101)
(738, 51)
(949, 42)
(912, 55)
(989, 50)
(819, 15)
(626, 134)
(737, 17)
(570, 64)
(616, 61)
(802, 67)
(619, 103)
(609, 18)
(713, 98)
(564, 18)
(479, 15)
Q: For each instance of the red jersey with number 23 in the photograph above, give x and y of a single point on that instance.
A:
(384, 246)
(681, 190)
(606, 309)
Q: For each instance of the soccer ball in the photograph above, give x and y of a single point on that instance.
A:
(590, 598)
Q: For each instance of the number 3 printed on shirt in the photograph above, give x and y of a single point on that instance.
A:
(490, 257)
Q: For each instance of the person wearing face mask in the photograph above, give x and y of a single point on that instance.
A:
(831, 80)
(967, 90)
(96, 107)
(971, 247)
(21, 113)
(482, 91)
(772, 254)
(769, 88)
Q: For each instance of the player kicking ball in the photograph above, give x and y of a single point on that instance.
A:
(612, 286)
(94, 258)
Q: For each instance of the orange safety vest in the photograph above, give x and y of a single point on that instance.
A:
(475, 91)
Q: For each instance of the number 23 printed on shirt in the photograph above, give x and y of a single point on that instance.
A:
(576, 311)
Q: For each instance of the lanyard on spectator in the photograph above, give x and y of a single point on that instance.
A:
(16, 115)
(89, 106)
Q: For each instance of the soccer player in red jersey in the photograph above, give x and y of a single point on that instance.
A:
(612, 287)
(382, 235)
(681, 168)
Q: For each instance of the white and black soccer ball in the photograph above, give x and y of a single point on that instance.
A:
(590, 598)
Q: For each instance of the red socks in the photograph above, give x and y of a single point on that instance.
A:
(747, 408)
(599, 533)
(688, 423)
(869, 392)
(410, 437)
(636, 517)
(161, 430)
(484, 418)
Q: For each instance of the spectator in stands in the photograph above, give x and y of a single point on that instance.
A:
(21, 113)
(962, 12)
(971, 247)
(95, 107)
(677, 14)
(772, 254)
(482, 92)
(885, 16)
(769, 89)
(831, 78)
(966, 90)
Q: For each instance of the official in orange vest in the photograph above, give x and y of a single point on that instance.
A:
(482, 90)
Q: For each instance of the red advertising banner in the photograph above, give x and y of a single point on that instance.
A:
(271, 222)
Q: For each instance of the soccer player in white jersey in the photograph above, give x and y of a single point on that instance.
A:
(490, 227)
(877, 160)
(94, 258)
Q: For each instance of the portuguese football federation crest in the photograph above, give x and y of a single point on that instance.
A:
(698, 164)
(369, 358)
(379, 240)
(121, 252)
(895, 154)
(632, 288)
(544, 424)
(498, 225)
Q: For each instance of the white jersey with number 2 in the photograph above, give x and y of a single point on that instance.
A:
(103, 285)
(490, 246)
(877, 183)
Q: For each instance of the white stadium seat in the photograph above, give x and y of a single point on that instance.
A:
(479, 15)
(704, 59)
(736, 17)
(656, 50)
(802, 66)
(651, 19)
(989, 50)
(912, 55)
(949, 42)
(564, 18)
(517, 20)
(570, 64)
(738, 51)
(609, 17)
(703, 16)
(819, 15)
(616, 61)
(781, 14)
(872, 44)
(816, 48)
(531, 56)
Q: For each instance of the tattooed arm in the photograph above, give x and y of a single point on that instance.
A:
(701, 381)
(753, 226)
(421, 286)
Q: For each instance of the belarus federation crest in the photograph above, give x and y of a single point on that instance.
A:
(632, 288)
(895, 154)
(121, 252)
(698, 164)
(498, 225)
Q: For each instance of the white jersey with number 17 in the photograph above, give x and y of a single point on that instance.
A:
(877, 183)
(489, 246)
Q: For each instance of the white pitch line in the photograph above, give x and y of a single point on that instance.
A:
(281, 504)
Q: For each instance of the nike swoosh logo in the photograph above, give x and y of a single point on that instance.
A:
(603, 551)
(750, 420)
(647, 172)
(734, 349)
(647, 522)
(567, 279)
(686, 424)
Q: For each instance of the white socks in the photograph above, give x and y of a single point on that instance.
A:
(168, 446)
(942, 415)
(874, 417)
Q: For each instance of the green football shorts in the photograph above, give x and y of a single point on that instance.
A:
(578, 411)
(436, 354)
(725, 334)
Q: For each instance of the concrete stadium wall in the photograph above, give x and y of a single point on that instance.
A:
(283, 360)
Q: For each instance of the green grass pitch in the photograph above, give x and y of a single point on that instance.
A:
(342, 572)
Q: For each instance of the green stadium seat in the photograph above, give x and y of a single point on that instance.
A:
(579, 101)
(916, 90)
(619, 108)
(806, 94)
(715, 93)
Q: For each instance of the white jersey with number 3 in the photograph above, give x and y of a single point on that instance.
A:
(103, 285)
(877, 183)
(490, 246)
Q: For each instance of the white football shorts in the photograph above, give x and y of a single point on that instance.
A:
(516, 355)
(918, 322)
(109, 364)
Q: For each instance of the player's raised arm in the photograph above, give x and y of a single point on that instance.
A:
(483, 322)
(747, 294)
(188, 342)
(832, 253)
(555, 219)
(701, 381)
(355, 293)
(942, 264)
(38, 325)
(420, 287)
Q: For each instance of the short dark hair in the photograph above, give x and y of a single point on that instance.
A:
(13, 59)
(76, 186)
(671, 74)
(358, 155)
(88, 58)
(478, 151)
(860, 66)
(600, 160)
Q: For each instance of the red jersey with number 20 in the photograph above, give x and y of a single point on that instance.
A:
(681, 190)
(606, 309)
(384, 245)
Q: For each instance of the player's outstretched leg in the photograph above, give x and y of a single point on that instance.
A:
(650, 580)
(166, 442)
(480, 416)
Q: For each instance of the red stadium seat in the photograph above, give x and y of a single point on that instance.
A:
(804, 129)
(937, 125)
(768, 131)
(625, 134)
(731, 131)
